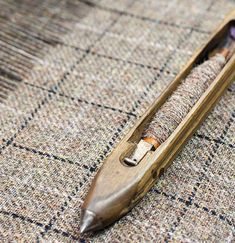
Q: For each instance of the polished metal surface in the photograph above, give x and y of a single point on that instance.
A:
(139, 153)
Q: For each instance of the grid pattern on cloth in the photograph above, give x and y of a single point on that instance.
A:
(82, 73)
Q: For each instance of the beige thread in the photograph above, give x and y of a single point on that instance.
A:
(169, 116)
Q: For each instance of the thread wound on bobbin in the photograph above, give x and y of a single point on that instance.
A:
(172, 112)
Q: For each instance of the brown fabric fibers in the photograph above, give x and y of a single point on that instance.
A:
(87, 71)
(172, 112)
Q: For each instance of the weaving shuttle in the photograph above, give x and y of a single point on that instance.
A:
(135, 165)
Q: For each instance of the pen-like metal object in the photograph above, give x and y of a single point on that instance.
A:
(136, 163)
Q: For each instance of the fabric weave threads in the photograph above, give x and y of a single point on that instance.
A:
(172, 112)
(85, 80)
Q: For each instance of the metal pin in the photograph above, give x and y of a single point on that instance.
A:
(139, 153)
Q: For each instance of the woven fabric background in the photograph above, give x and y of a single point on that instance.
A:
(74, 78)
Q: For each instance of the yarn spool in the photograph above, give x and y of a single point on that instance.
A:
(173, 111)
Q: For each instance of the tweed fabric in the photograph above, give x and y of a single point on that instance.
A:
(178, 105)
(81, 73)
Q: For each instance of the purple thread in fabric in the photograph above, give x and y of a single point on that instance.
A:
(232, 32)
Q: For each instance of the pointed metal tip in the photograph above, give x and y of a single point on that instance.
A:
(89, 222)
(83, 228)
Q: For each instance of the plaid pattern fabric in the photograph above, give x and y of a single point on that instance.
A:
(74, 77)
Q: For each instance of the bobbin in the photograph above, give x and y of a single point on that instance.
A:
(118, 187)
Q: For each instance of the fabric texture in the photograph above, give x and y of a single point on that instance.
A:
(74, 78)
